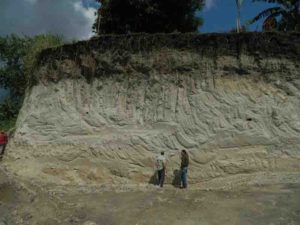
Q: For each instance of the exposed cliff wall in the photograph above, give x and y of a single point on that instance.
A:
(100, 110)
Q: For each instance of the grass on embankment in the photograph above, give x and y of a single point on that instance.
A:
(7, 125)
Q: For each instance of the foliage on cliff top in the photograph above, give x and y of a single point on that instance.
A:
(150, 16)
(38, 44)
(262, 44)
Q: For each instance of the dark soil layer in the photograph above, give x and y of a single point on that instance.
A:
(263, 44)
(113, 54)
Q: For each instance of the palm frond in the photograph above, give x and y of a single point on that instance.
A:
(266, 13)
(274, 1)
(270, 23)
(287, 4)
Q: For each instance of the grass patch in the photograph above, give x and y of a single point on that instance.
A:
(8, 124)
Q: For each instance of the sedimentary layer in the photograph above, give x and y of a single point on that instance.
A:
(99, 111)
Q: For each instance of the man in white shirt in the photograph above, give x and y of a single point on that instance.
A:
(161, 168)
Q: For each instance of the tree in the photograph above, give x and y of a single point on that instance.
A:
(150, 16)
(238, 21)
(12, 51)
(284, 17)
(18, 58)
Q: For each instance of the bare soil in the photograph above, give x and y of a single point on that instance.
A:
(259, 205)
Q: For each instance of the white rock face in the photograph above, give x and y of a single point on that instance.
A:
(235, 116)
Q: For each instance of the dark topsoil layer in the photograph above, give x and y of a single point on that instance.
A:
(268, 44)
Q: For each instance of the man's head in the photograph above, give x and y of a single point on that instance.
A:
(162, 153)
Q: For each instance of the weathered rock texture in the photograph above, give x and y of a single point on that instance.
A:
(100, 110)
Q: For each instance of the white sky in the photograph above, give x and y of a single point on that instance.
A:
(30, 17)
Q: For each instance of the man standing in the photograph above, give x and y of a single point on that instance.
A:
(3, 142)
(161, 168)
(184, 168)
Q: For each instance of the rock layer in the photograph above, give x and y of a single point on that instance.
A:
(99, 111)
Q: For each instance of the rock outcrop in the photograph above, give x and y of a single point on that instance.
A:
(99, 111)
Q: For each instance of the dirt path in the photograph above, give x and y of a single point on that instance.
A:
(8, 199)
(265, 205)
(259, 207)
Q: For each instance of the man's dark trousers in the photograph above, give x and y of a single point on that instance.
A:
(161, 177)
(2, 149)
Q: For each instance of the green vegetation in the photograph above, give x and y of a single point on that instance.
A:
(18, 56)
(38, 43)
(284, 17)
(12, 51)
(150, 16)
(8, 124)
(18, 59)
(8, 113)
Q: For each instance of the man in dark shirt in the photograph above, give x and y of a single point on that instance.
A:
(184, 168)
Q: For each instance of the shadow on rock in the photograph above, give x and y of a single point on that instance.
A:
(176, 179)
(153, 180)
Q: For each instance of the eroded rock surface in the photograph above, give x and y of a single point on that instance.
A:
(100, 113)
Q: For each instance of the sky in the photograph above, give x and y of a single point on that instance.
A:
(220, 15)
(73, 19)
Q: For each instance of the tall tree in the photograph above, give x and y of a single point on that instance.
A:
(150, 16)
(238, 21)
(12, 52)
(284, 17)
(18, 58)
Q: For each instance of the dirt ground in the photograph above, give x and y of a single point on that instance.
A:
(259, 205)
